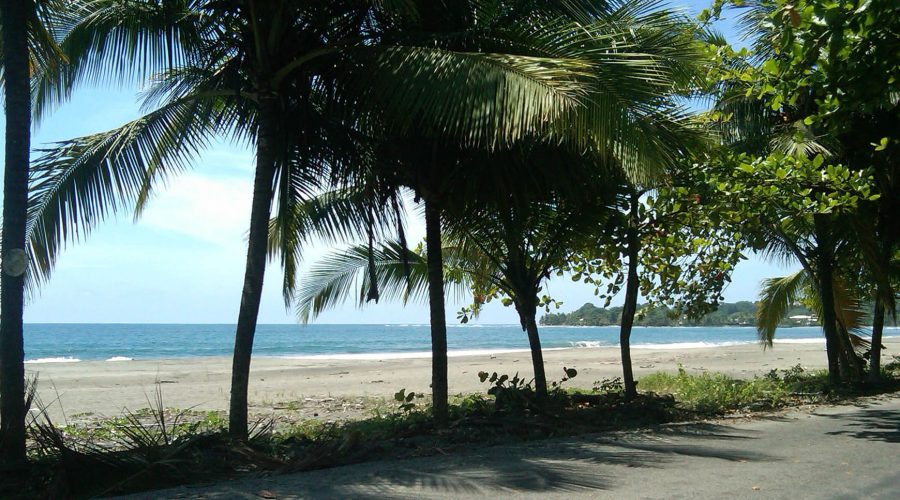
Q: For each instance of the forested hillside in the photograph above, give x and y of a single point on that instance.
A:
(728, 314)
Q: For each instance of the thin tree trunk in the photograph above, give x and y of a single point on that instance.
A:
(877, 332)
(254, 274)
(883, 289)
(15, 15)
(526, 316)
(825, 276)
(435, 263)
(854, 365)
(631, 292)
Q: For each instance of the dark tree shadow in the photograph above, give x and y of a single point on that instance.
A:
(705, 430)
(556, 465)
(876, 425)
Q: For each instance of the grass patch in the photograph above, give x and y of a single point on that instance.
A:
(717, 393)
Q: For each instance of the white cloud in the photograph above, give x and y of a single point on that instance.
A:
(214, 210)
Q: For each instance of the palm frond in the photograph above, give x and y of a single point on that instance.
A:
(119, 41)
(798, 140)
(80, 182)
(508, 97)
(332, 280)
(849, 310)
(340, 215)
(401, 274)
(777, 296)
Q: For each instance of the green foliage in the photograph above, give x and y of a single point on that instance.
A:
(686, 248)
(517, 395)
(607, 385)
(776, 188)
(813, 103)
(892, 369)
(718, 393)
(407, 401)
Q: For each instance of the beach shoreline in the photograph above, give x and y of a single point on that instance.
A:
(331, 388)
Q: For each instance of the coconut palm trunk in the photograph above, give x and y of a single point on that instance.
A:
(631, 292)
(435, 264)
(15, 15)
(877, 333)
(254, 275)
(853, 363)
(882, 290)
(825, 277)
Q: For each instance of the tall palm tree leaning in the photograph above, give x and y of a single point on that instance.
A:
(246, 70)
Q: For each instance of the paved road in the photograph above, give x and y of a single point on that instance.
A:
(835, 452)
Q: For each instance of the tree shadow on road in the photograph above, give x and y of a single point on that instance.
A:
(876, 425)
(705, 430)
(586, 463)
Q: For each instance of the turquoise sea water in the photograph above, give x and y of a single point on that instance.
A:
(122, 342)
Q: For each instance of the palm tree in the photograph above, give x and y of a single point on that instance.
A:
(251, 69)
(400, 273)
(29, 46)
(16, 18)
(820, 247)
(779, 294)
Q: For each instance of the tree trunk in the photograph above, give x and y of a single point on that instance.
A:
(825, 277)
(435, 263)
(256, 266)
(15, 15)
(527, 315)
(631, 292)
(877, 332)
(854, 364)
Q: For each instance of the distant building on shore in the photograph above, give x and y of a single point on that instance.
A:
(804, 319)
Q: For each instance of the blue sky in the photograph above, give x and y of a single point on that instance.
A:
(183, 261)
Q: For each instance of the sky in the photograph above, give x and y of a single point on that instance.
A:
(183, 260)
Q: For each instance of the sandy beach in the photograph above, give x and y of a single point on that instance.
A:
(344, 388)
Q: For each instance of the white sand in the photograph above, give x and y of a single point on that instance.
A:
(305, 385)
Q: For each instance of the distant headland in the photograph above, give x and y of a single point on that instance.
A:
(728, 314)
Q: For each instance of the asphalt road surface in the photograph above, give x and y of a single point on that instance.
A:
(850, 451)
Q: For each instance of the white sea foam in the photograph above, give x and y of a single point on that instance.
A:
(404, 355)
(800, 341)
(120, 358)
(581, 344)
(61, 359)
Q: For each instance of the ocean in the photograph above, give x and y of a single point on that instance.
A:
(47, 343)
